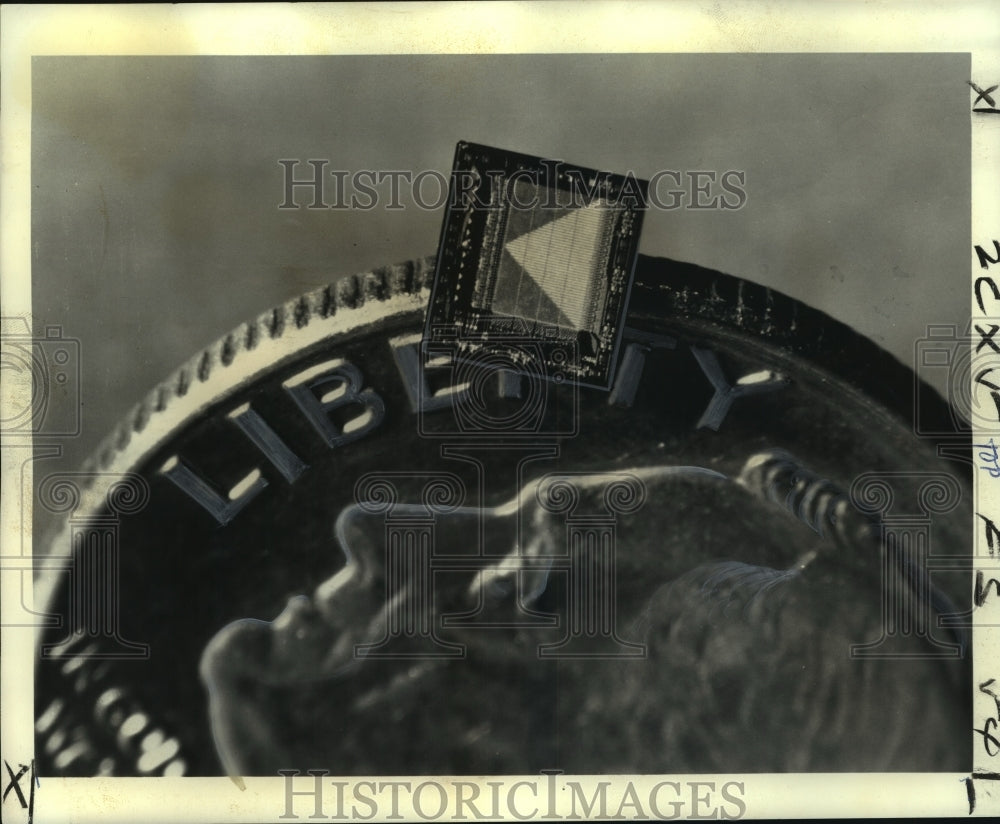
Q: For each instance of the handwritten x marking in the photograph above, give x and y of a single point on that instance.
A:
(984, 95)
(15, 783)
(986, 337)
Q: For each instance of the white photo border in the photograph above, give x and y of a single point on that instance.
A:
(417, 28)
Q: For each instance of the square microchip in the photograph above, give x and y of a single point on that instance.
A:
(536, 250)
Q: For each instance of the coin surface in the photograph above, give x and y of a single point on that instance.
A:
(318, 549)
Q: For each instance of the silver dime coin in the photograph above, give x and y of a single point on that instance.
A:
(321, 546)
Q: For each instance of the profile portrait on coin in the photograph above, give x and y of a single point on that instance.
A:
(628, 476)
(715, 629)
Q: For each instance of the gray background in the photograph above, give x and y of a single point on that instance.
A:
(155, 182)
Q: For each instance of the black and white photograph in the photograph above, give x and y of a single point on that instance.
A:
(502, 411)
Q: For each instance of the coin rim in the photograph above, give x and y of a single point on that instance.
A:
(359, 303)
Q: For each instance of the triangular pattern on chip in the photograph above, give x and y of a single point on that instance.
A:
(559, 258)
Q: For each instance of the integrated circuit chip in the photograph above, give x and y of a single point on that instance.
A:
(536, 250)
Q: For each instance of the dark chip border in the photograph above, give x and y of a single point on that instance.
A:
(469, 255)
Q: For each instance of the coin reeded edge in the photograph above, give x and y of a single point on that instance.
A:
(271, 339)
(277, 336)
